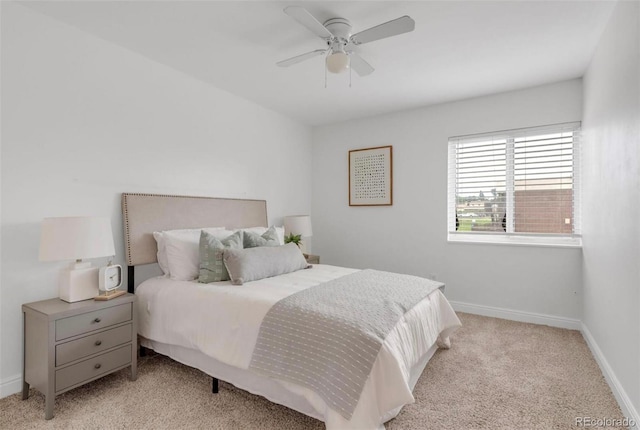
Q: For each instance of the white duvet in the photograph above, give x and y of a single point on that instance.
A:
(223, 320)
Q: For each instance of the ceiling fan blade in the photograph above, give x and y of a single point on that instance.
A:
(397, 26)
(361, 67)
(299, 58)
(303, 16)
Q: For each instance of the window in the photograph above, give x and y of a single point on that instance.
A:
(517, 186)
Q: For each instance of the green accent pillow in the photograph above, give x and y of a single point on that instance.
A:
(268, 238)
(212, 268)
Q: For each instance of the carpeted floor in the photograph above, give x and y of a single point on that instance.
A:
(498, 375)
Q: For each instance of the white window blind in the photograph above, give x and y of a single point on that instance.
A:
(521, 182)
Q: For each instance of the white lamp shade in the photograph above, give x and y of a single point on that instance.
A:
(298, 224)
(337, 62)
(75, 238)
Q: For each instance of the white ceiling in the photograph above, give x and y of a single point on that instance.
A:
(458, 49)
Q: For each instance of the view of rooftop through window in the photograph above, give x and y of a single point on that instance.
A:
(522, 181)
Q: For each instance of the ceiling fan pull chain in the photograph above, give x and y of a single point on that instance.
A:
(349, 76)
(325, 74)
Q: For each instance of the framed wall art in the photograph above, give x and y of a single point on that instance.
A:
(370, 177)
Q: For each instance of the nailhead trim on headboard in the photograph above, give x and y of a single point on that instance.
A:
(126, 228)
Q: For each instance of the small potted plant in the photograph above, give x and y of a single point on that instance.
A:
(293, 238)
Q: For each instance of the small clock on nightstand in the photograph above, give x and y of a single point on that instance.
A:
(312, 259)
(109, 279)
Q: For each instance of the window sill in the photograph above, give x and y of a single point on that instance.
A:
(516, 240)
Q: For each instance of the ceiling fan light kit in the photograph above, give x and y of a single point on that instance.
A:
(337, 62)
(336, 32)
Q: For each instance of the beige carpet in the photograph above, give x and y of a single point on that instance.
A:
(498, 375)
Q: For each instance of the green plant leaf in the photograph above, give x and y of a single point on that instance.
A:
(293, 238)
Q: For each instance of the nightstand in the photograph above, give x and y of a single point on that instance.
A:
(312, 259)
(67, 345)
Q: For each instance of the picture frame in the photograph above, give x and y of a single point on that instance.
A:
(371, 176)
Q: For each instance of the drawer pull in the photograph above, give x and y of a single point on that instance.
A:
(97, 320)
(98, 366)
(98, 342)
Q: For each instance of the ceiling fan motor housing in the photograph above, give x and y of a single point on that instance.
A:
(340, 28)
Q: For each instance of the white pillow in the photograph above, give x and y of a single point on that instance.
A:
(160, 237)
(261, 230)
(280, 232)
(162, 251)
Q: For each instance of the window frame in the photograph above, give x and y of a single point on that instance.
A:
(571, 240)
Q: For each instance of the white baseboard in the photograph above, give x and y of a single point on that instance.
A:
(618, 391)
(11, 386)
(522, 316)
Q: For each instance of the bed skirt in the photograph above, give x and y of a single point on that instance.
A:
(275, 391)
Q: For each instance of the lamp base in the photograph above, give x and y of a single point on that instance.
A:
(78, 284)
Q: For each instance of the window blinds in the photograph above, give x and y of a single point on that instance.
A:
(522, 181)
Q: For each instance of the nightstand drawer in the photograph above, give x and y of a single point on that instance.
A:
(67, 352)
(92, 368)
(91, 321)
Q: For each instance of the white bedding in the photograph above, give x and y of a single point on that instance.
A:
(222, 321)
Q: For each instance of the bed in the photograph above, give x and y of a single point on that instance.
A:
(218, 327)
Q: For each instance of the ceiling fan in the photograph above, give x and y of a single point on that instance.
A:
(336, 32)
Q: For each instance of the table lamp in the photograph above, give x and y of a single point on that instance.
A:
(76, 238)
(298, 225)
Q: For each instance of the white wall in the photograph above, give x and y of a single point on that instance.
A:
(611, 201)
(84, 120)
(411, 235)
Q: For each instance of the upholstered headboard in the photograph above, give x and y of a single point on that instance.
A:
(145, 213)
